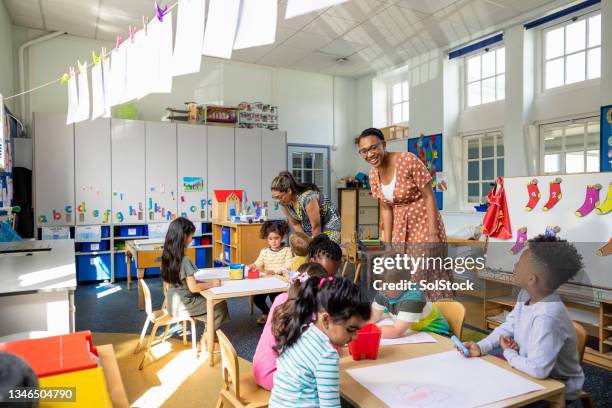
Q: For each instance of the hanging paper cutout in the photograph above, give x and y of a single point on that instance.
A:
(146, 75)
(83, 81)
(257, 23)
(189, 37)
(133, 70)
(221, 25)
(118, 74)
(97, 89)
(106, 79)
(73, 100)
(161, 43)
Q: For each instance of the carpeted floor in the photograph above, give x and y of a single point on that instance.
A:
(111, 312)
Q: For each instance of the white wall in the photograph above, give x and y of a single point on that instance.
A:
(6, 51)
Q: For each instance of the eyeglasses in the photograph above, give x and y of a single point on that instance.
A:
(371, 149)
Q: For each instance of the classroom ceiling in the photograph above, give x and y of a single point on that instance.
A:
(372, 34)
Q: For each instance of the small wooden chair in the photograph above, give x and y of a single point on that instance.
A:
(350, 255)
(581, 335)
(239, 389)
(160, 318)
(454, 313)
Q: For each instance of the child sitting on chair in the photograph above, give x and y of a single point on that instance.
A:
(538, 337)
(298, 241)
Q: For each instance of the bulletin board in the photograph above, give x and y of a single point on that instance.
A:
(605, 151)
(429, 150)
(588, 233)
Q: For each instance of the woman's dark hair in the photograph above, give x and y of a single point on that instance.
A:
(371, 132)
(322, 245)
(285, 181)
(174, 249)
(338, 296)
(280, 227)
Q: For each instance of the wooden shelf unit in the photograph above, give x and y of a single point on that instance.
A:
(359, 213)
(244, 245)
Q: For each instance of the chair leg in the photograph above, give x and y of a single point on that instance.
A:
(193, 337)
(251, 305)
(585, 400)
(147, 350)
(346, 263)
(165, 335)
(219, 402)
(357, 272)
(184, 332)
(142, 335)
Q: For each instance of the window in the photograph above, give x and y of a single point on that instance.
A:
(399, 93)
(484, 155)
(310, 164)
(572, 51)
(570, 147)
(486, 77)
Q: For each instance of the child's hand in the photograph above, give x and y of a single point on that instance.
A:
(508, 342)
(269, 272)
(472, 347)
(215, 283)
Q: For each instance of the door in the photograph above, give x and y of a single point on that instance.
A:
(310, 164)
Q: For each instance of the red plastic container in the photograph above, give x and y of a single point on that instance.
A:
(366, 344)
(253, 274)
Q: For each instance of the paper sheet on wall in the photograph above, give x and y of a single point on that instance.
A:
(211, 273)
(257, 23)
(414, 338)
(161, 62)
(132, 70)
(97, 90)
(250, 285)
(187, 55)
(73, 100)
(106, 79)
(137, 67)
(443, 379)
(221, 25)
(118, 70)
(83, 109)
(146, 75)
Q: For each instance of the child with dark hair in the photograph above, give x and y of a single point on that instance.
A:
(326, 252)
(299, 242)
(274, 260)
(177, 270)
(264, 361)
(538, 337)
(327, 312)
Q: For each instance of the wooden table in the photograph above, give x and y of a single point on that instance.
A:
(114, 384)
(214, 298)
(358, 395)
(147, 255)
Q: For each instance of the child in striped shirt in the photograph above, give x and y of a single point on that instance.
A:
(274, 259)
(307, 370)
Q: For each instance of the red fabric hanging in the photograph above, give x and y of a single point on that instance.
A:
(496, 222)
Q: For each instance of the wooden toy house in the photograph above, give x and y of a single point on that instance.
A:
(223, 202)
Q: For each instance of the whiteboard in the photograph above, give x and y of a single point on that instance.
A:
(248, 164)
(92, 172)
(53, 170)
(161, 192)
(192, 159)
(273, 161)
(128, 171)
(220, 155)
(587, 233)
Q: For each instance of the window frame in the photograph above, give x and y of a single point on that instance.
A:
(562, 152)
(491, 133)
(467, 82)
(390, 103)
(542, 41)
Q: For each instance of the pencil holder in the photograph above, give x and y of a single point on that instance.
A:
(366, 344)
(236, 271)
(253, 273)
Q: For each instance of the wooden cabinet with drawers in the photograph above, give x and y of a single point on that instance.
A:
(358, 213)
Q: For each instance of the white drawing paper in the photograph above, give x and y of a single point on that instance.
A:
(211, 273)
(257, 23)
(187, 55)
(106, 79)
(83, 109)
(147, 54)
(132, 70)
(73, 100)
(97, 90)
(221, 25)
(442, 380)
(118, 74)
(161, 63)
(250, 285)
(413, 338)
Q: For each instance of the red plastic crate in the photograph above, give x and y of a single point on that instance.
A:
(57, 354)
(367, 343)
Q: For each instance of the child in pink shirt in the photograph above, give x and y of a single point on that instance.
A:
(264, 361)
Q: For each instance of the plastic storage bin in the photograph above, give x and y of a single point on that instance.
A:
(367, 343)
(121, 267)
(227, 254)
(200, 257)
(105, 231)
(96, 246)
(226, 235)
(132, 231)
(93, 267)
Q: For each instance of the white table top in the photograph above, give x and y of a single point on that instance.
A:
(37, 271)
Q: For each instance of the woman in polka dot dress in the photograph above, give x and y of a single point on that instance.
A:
(409, 211)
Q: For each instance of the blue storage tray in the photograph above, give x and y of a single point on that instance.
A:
(121, 267)
(226, 235)
(95, 246)
(227, 254)
(93, 267)
(201, 257)
(105, 231)
(132, 231)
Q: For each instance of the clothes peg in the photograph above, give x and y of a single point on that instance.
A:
(64, 79)
(118, 41)
(160, 13)
(132, 31)
(145, 22)
(95, 58)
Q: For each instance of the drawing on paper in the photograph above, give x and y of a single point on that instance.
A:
(193, 184)
(421, 397)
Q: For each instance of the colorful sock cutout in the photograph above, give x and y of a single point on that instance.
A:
(554, 195)
(534, 195)
(606, 249)
(591, 200)
(606, 207)
(521, 239)
(552, 231)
